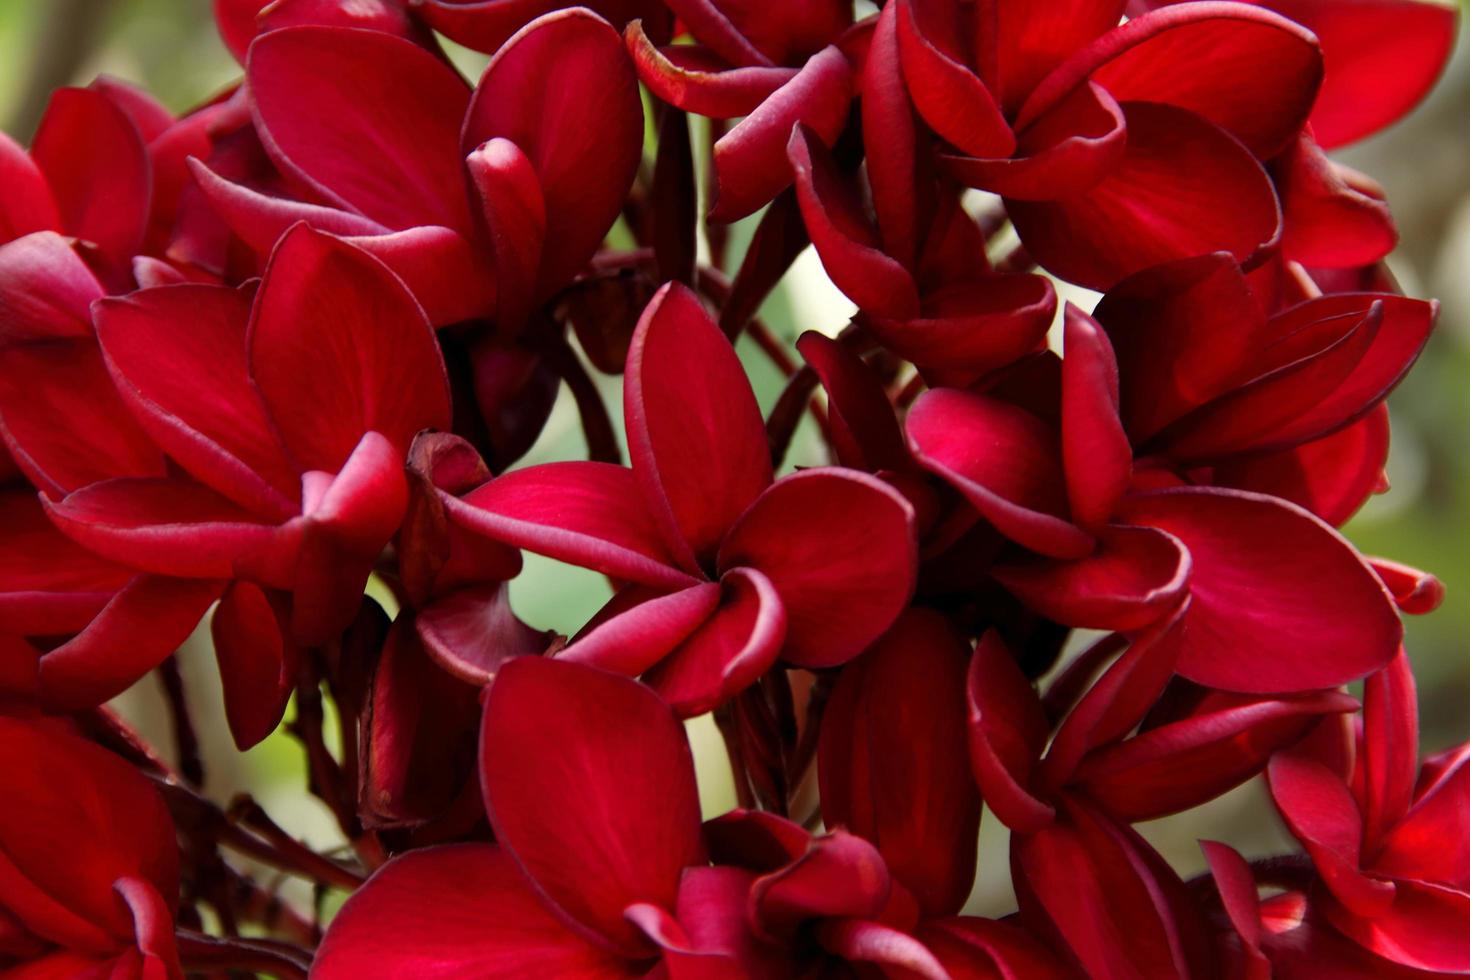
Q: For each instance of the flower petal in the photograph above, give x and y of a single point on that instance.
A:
(46, 290)
(860, 418)
(970, 328)
(951, 98)
(838, 546)
(696, 80)
(472, 632)
(29, 206)
(1008, 730)
(257, 662)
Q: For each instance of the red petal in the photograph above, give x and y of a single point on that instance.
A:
(727, 652)
(177, 354)
(1414, 592)
(1318, 617)
(890, 142)
(892, 760)
(564, 91)
(969, 946)
(1385, 55)
(48, 584)
(235, 20)
(1245, 69)
(1335, 217)
(1032, 39)
(696, 439)
(894, 952)
(1008, 730)
(95, 163)
(695, 80)
(1421, 929)
(860, 417)
(839, 548)
(1177, 766)
(257, 662)
(623, 757)
(1134, 577)
(455, 913)
(29, 205)
(633, 632)
(63, 420)
(339, 348)
(845, 242)
(368, 120)
(472, 632)
(135, 632)
(515, 212)
(1095, 449)
(839, 875)
(46, 290)
(1184, 188)
(1004, 460)
(1237, 887)
(588, 514)
(750, 160)
(80, 819)
(951, 98)
(1390, 748)
(974, 327)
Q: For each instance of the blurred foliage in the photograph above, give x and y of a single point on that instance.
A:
(169, 46)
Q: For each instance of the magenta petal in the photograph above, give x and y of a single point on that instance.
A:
(892, 759)
(623, 756)
(563, 90)
(1185, 187)
(46, 290)
(455, 913)
(1004, 460)
(838, 546)
(630, 641)
(1133, 578)
(257, 662)
(696, 439)
(472, 632)
(177, 354)
(96, 165)
(134, 633)
(587, 514)
(1319, 617)
(368, 120)
(860, 418)
(750, 160)
(1008, 730)
(727, 652)
(339, 348)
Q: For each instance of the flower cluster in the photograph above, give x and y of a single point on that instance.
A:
(294, 341)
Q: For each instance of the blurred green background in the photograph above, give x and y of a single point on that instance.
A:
(1424, 163)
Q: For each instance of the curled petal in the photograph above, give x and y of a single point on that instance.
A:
(46, 290)
(975, 327)
(697, 81)
(1008, 730)
(951, 98)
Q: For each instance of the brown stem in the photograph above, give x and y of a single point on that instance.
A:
(199, 951)
(602, 439)
(786, 415)
(730, 732)
(300, 857)
(185, 738)
(1016, 260)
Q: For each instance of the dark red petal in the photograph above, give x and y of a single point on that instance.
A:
(588, 514)
(146, 621)
(1320, 812)
(472, 632)
(1095, 449)
(712, 27)
(951, 98)
(890, 142)
(257, 662)
(845, 242)
(64, 422)
(839, 548)
(1032, 39)
(1249, 71)
(630, 641)
(750, 160)
(892, 759)
(235, 20)
(1135, 576)
(839, 875)
(1383, 57)
(1008, 730)
(1389, 755)
(383, 16)
(1335, 217)
(1428, 841)
(696, 438)
(696, 80)
(80, 819)
(454, 913)
(974, 327)
(28, 206)
(726, 653)
(515, 213)
(445, 271)
(861, 941)
(969, 946)
(1237, 887)
(564, 91)
(623, 757)
(177, 354)
(46, 290)
(338, 348)
(1181, 765)
(1319, 617)
(96, 165)
(48, 584)
(368, 120)
(1004, 460)
(1421, 929)
(1184, 187)
(1331, 476)
(860, 418)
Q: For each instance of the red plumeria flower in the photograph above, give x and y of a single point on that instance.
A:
(480, 200)
(728, 571)
(1388, 840)
(1123, 553)
(290, 408)
(91, 863)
